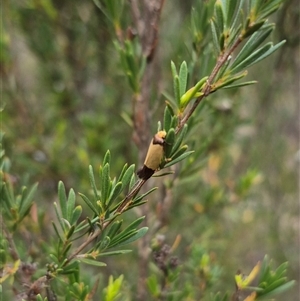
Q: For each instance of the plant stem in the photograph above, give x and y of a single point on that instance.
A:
(223, 57)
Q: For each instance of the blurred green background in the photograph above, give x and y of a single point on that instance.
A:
(66, 101)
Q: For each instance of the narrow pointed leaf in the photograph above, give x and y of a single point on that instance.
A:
(140, 197)
(93, 262)
(27, 201)
(89, 203)
(229, 81)
(140, 233)
(113, 230)
(179, 152)
(180, 158)
(175, 82)
(117, 189)
(167, 118)
(215, 37)
(105, 184)
(180, 138)
(57, 232)
(170, 138)
(128, 176)
(62, 197)
(58, 216)
(252, 29)
(174, 122)
(190, 94)
(93, 182)
(254, 41)
(230, 12)
(183, 75)
(122, 172)
(219, 15)
(268, 53)
(251, 58)
(76, 214)
(106, 158)
(239, 85)
(113, 253)
(70, 204)
(134, 224)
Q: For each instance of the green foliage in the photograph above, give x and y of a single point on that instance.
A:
(208, 189)
(15, 207)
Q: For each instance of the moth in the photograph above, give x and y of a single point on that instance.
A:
(154, 156)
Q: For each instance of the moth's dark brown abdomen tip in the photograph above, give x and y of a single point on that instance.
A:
(145, 173)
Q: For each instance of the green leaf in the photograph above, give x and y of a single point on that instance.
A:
(132, 181)
(105, 243)
(105, 184)
(8, 198)
(27, 201)
(170, 138)
(180, 158)
(252, 82)
(107, 157)
(162, 174)
(175, 83)
(115, 227)
(128, 176)
(117, 189)
(179, 152)
(180, 138)
(127, 232)
(279, 290)
(113, 253)
(58, 216)
(76, 214)
(70, 232)
(254, 41)
(57, 232)
(251, 59)
(70, 204)
(215, 37)
(191, 93)
(231, 11)
(228, 81)
(183, 76)
(62, 197)
(121, 237)
(138, 234)
(174, 122)
(219, 15)
(281, 270)
(90, 204)
(153, 286)
(269, 8)
(93, 182)
(252, 29)
(140, 197)
(167, 118)
(136, 204)
(268, 53)
(122, 172)
(134, 224)
(234, 35)
(93, 262)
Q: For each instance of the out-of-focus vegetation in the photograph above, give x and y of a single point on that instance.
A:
(66, 100)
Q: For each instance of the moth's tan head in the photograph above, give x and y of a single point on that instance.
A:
(159, 137)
